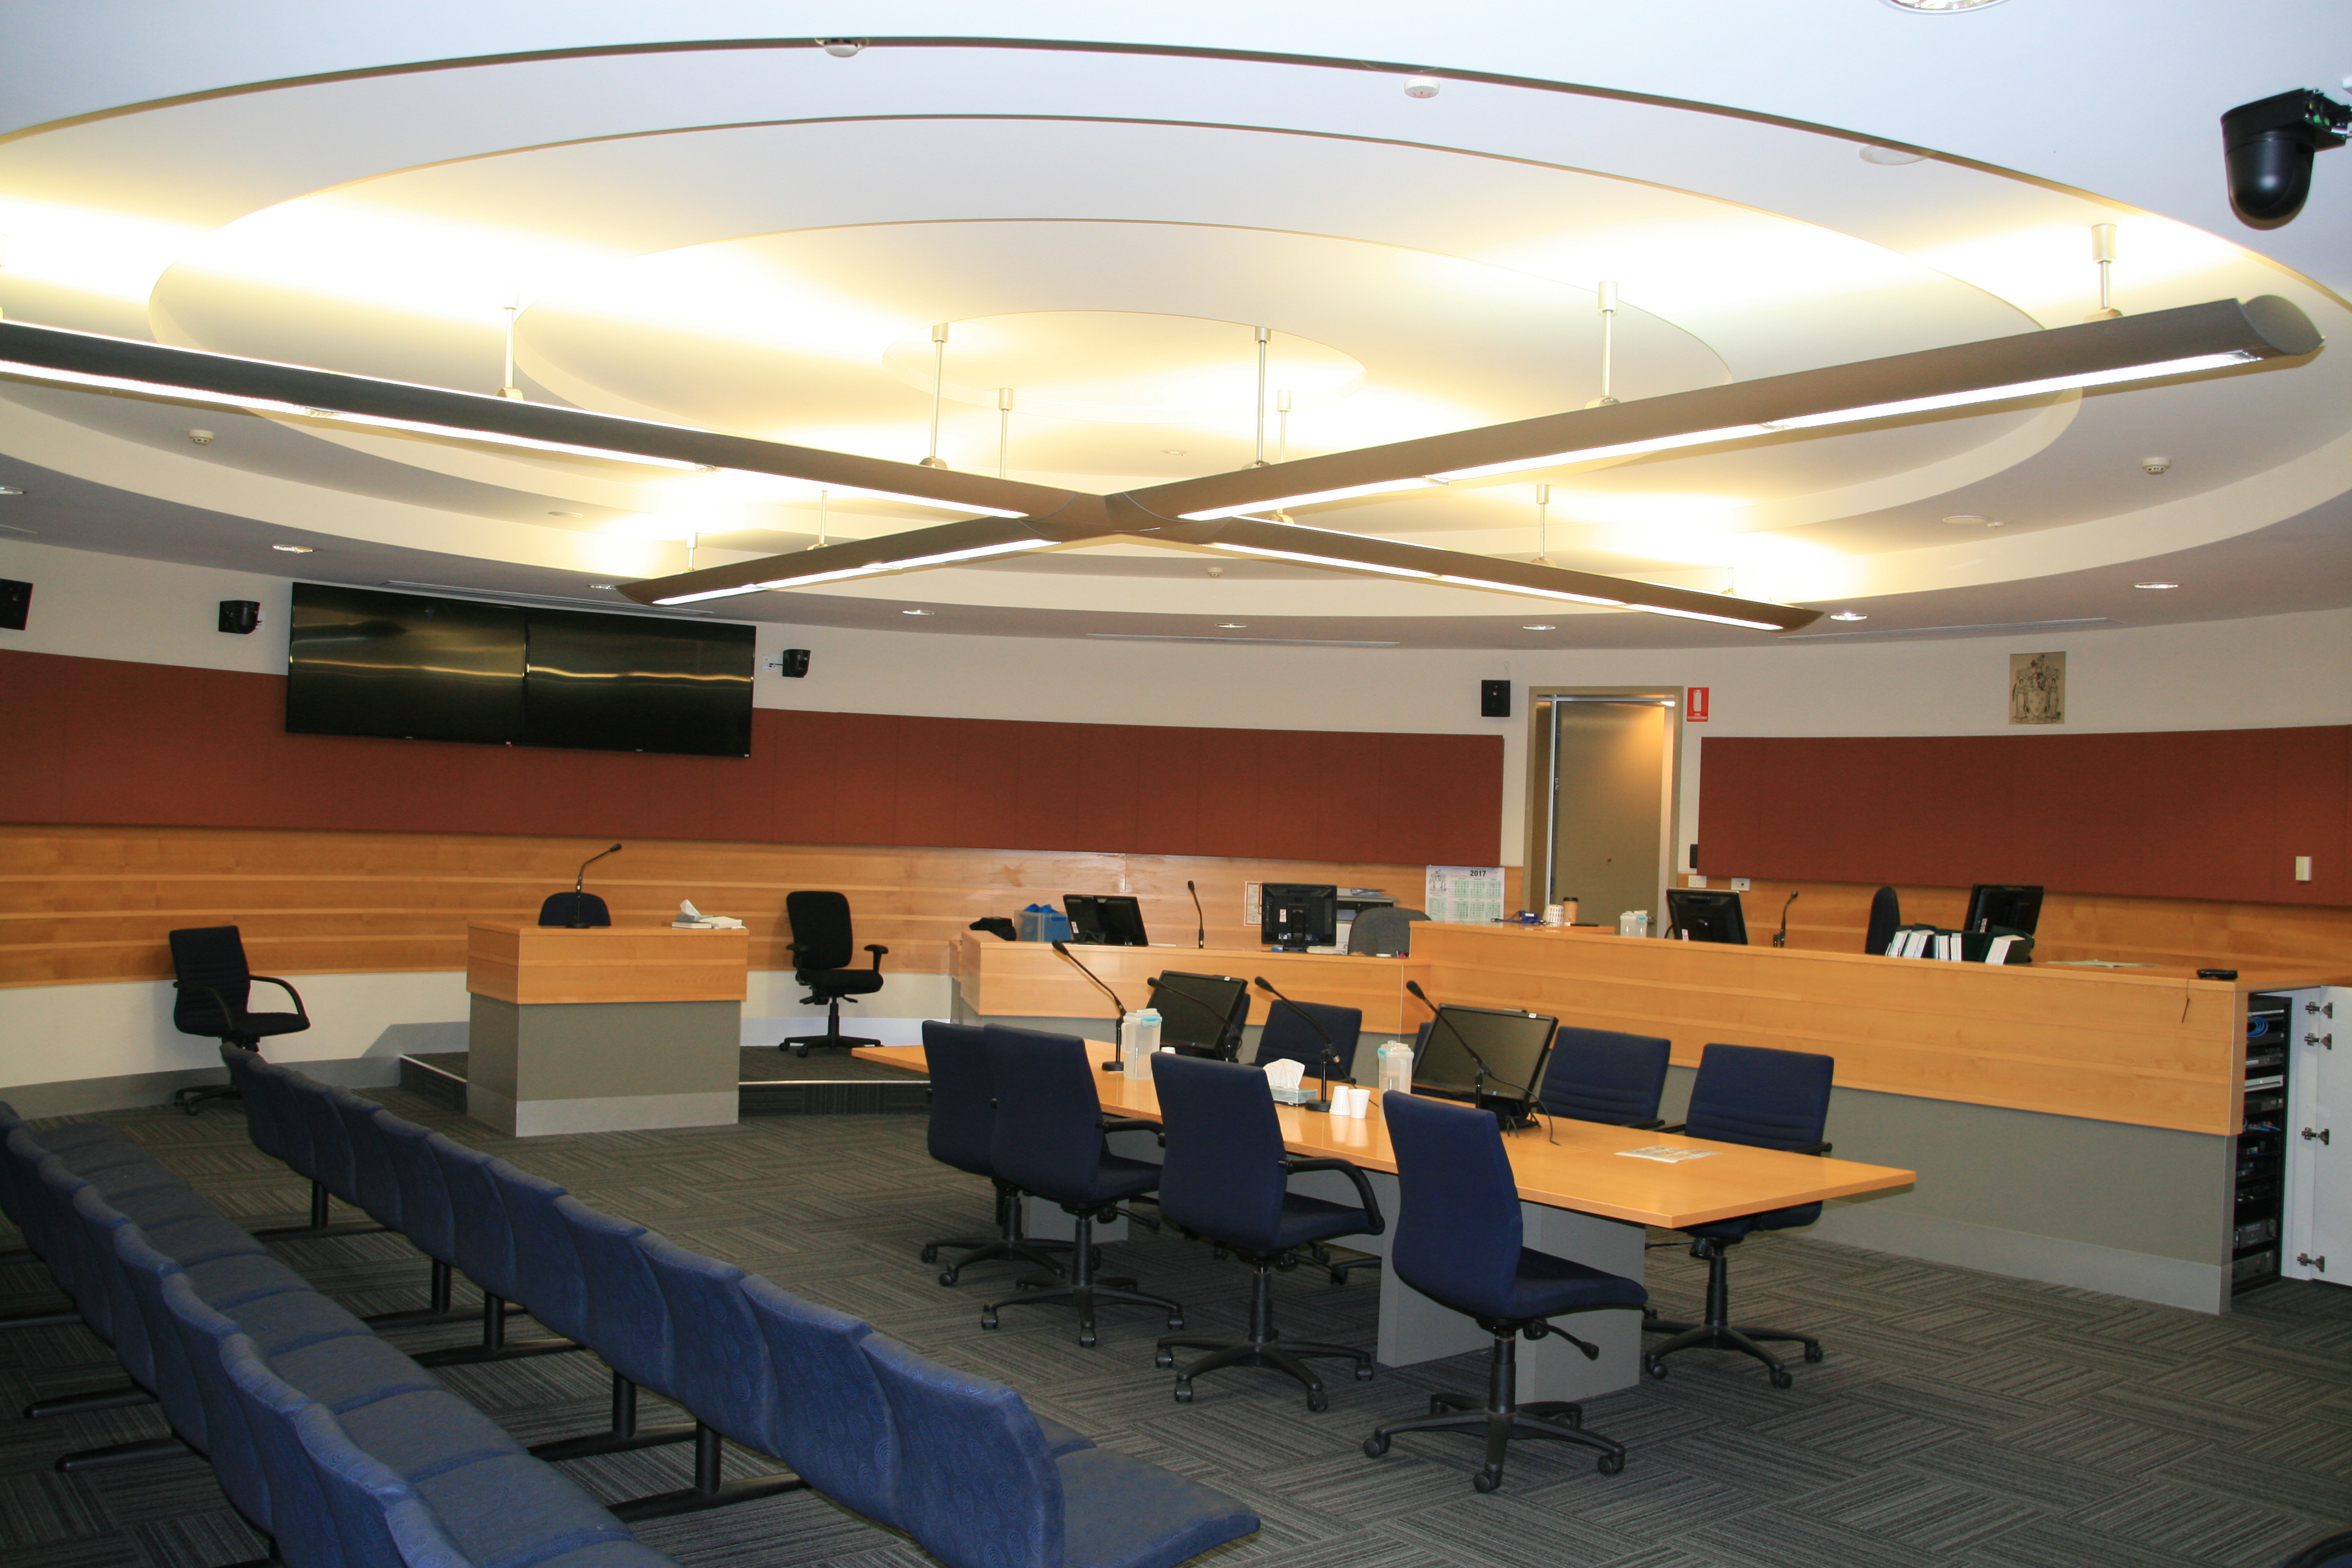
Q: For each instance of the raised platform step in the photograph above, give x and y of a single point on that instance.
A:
(771, 1083)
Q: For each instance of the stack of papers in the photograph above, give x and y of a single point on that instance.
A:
(1668, 1153)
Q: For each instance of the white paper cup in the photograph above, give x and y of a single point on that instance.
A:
(1360, 1103)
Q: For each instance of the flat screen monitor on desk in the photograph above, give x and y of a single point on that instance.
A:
(1297, 916)
(1512, 1044)
(1201, 1015)
(2012, 906)
(1105, 920)
(1706, 914)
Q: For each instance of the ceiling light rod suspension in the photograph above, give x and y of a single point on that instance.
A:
(1282, 439)
(939, 383)
(1264, 335)
(1543, 544)
(2103, 251)
(1604, 299)
(1003, 425)
(824, 500)
(513, 308)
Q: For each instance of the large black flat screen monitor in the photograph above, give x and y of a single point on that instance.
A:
(1201, 1015)
(2011, 905)
(1105, 920)
(405, 666)
(1513, 1044)
(1298, 915)
(1706, 914)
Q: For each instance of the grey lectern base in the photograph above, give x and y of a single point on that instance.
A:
(602, 1066)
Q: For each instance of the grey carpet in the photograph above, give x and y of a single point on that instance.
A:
(1960, 1419)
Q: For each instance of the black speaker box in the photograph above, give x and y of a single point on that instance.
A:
(1493, 699)
(240, 616)
(792, 663)
(16, 604)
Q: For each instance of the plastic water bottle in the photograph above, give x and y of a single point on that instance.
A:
(1396, 1068)
(1139, 1034)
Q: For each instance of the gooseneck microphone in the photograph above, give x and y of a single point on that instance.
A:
(1781, 937)
(1478, 1085)
(1118, 1062)
(579, 921)
(1330, 1050)
(1199, 921)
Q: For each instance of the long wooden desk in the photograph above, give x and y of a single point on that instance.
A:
(1579, 1198)
(1029, 980)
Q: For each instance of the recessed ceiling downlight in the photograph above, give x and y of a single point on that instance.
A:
(1890, 156)
(1848, 615)
(2155, 585)
(1540, 626)
(1940, 7)
(914, 612)
(292, 549)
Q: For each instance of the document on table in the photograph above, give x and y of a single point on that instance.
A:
(1668, 1153)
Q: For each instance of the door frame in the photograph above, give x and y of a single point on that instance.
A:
(1539, 795)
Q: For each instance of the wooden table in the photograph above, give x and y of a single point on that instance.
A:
(1000, 979)
(602, 1030)
(1579, 1198)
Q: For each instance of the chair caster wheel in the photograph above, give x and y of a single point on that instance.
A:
(1164, 1360)
(1375, 1446)
(1813, 1354)
(988, 1320)
(1364, 1372)
(1438, 1407)
(1086, 1341)
(1318, 1404)
(1610, 1464)
(1654, 1365)
(1486, 1480)
(947, 1276)
(1174, 1322)
(1183, 1391)
(1781, 1378)
(930, 1254)
(1339, 1277)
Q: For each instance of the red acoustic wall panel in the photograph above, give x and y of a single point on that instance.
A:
(100, 741)
(2199, 814)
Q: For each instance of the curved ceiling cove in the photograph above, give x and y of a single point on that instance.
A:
(1057, 265)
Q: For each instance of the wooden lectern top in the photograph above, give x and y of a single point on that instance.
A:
(538, 964)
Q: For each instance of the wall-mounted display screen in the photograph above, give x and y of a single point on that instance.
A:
(362, 661)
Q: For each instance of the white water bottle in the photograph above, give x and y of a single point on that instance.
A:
(1396, 1068)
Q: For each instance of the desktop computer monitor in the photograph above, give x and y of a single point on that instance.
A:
(2013, 906)
(1512, 1044)
(1706, 914)
(1105, 920)
(1201, 1015)
(1298, 915)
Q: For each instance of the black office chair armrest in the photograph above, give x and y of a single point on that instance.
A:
(1652, 1125)
(300, 1011)
(1363, 1187)
(1811, 1149)
(228, 1018)
(877, 949)
(1128, 1124)
(1675, 1128)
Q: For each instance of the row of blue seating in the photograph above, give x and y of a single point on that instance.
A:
(959, 1463)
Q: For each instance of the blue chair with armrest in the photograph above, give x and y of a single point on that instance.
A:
(1227, 1180)
(1767, 1099)
(1049, 1140)
(962, 1132)
(986, 1490)
(1459, 1242)
(1600, 1075)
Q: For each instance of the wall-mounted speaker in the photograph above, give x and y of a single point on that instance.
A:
(240, 616)
(1493, 699)
(791, 663)
(16, 604)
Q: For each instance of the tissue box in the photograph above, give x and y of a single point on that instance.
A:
(1302, 1094)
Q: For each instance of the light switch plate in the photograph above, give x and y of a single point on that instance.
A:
(1739, 884)
(2302, 868)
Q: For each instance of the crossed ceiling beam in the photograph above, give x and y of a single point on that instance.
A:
(1215, 512)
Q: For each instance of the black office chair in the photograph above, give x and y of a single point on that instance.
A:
(1886, 918)
(1767, 1099)
(1049, 1141)
(1289, 1037)
(820, 947)
(1600, 1075)
(1459, 1242)
(962, 1129)
(2329, 1552)
(1226, 1181)
(210, 986)
(558, 909)
(1384, 932)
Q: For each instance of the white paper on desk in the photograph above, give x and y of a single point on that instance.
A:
(1668, 1153)
(1284, 1073)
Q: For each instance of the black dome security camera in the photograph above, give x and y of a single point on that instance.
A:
(2267, 146)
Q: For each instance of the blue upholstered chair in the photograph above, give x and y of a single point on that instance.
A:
(301, 1525)
(1459, 1241)
(429, 1221)
(987, 1490)
(719, 1368)
(1289, 1037)
(833, 1425)
(1049, 1141)
(548, 1275)
(1600, 1075)
(1767, 1099)
(1227, 1180)
(483, 1245)
(962, 1129)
